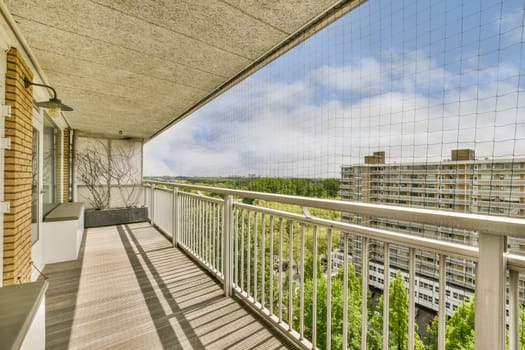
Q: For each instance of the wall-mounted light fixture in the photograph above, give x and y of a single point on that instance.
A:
(54, 105)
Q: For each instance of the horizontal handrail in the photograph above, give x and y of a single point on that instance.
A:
(516, 262)
(203, 197)
(495, 225)
(410, 241)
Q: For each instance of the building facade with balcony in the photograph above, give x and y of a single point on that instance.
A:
(462, 184)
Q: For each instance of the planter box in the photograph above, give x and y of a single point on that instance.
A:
(114, 216)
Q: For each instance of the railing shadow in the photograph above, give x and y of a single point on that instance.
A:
(160, 319)
(184, 304)
(204, 314)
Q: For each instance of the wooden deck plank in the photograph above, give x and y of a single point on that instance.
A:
(130, 289)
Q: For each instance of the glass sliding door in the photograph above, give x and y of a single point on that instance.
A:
(49, 180)
(35, 193)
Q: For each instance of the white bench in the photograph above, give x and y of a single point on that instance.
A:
(62, 232)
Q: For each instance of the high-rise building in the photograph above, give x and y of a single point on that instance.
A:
(461, 184)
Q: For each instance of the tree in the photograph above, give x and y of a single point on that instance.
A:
(460, 328)
(459, 331)
(432, 338)
(332, 187)
(296, 186)
(337, 304)
(522, 326)
(354, 307)
(398, 317)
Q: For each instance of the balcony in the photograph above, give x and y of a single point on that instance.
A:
(241, 245)
(211, 270)
(130, 288)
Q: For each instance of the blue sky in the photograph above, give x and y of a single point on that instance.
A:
(413, 78)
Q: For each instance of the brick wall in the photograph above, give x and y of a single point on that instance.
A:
(67, 152)
(18, 172)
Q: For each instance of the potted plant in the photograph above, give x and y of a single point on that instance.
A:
(103, 165)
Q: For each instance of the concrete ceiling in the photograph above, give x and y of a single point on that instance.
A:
(138, 66)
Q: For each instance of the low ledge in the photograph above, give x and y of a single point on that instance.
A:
(65, 212)
(19, 304)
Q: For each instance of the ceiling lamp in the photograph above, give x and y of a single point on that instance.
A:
(54, 105)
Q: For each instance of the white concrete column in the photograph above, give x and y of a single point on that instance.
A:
(490, 293)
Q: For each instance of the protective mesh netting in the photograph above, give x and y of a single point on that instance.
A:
(414, 79)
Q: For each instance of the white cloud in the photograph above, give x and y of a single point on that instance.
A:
(394, 70)
(304, 128)
(512, 25)
(366, 74)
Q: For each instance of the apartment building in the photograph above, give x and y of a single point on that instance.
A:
(461, 184)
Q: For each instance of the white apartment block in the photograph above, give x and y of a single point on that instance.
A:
(462, 184)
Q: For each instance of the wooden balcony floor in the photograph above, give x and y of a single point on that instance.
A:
(130, 289)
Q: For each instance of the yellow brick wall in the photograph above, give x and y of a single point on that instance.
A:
(18, 171)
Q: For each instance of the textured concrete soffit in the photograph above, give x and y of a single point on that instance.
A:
(119, 62)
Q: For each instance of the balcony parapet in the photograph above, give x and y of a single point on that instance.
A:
(213, 231)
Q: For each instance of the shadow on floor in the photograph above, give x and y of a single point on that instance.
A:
(162, 323)
(130, 289)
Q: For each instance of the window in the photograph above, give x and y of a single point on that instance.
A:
(49, 175)
(35, 189)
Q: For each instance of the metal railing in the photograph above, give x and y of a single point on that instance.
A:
(262, 254)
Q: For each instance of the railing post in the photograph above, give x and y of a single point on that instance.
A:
(490, 293)
(145, 193)
(152, 204)
(514, 311)
(442, 315)
(411, 297)
(227, 245)
(175, 222)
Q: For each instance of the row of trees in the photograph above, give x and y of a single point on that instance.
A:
(398, 313)
(326, 188)
(320, 188)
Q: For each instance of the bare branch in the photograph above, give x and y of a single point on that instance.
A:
(103, 163)
(93, 171)
(124, 173)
